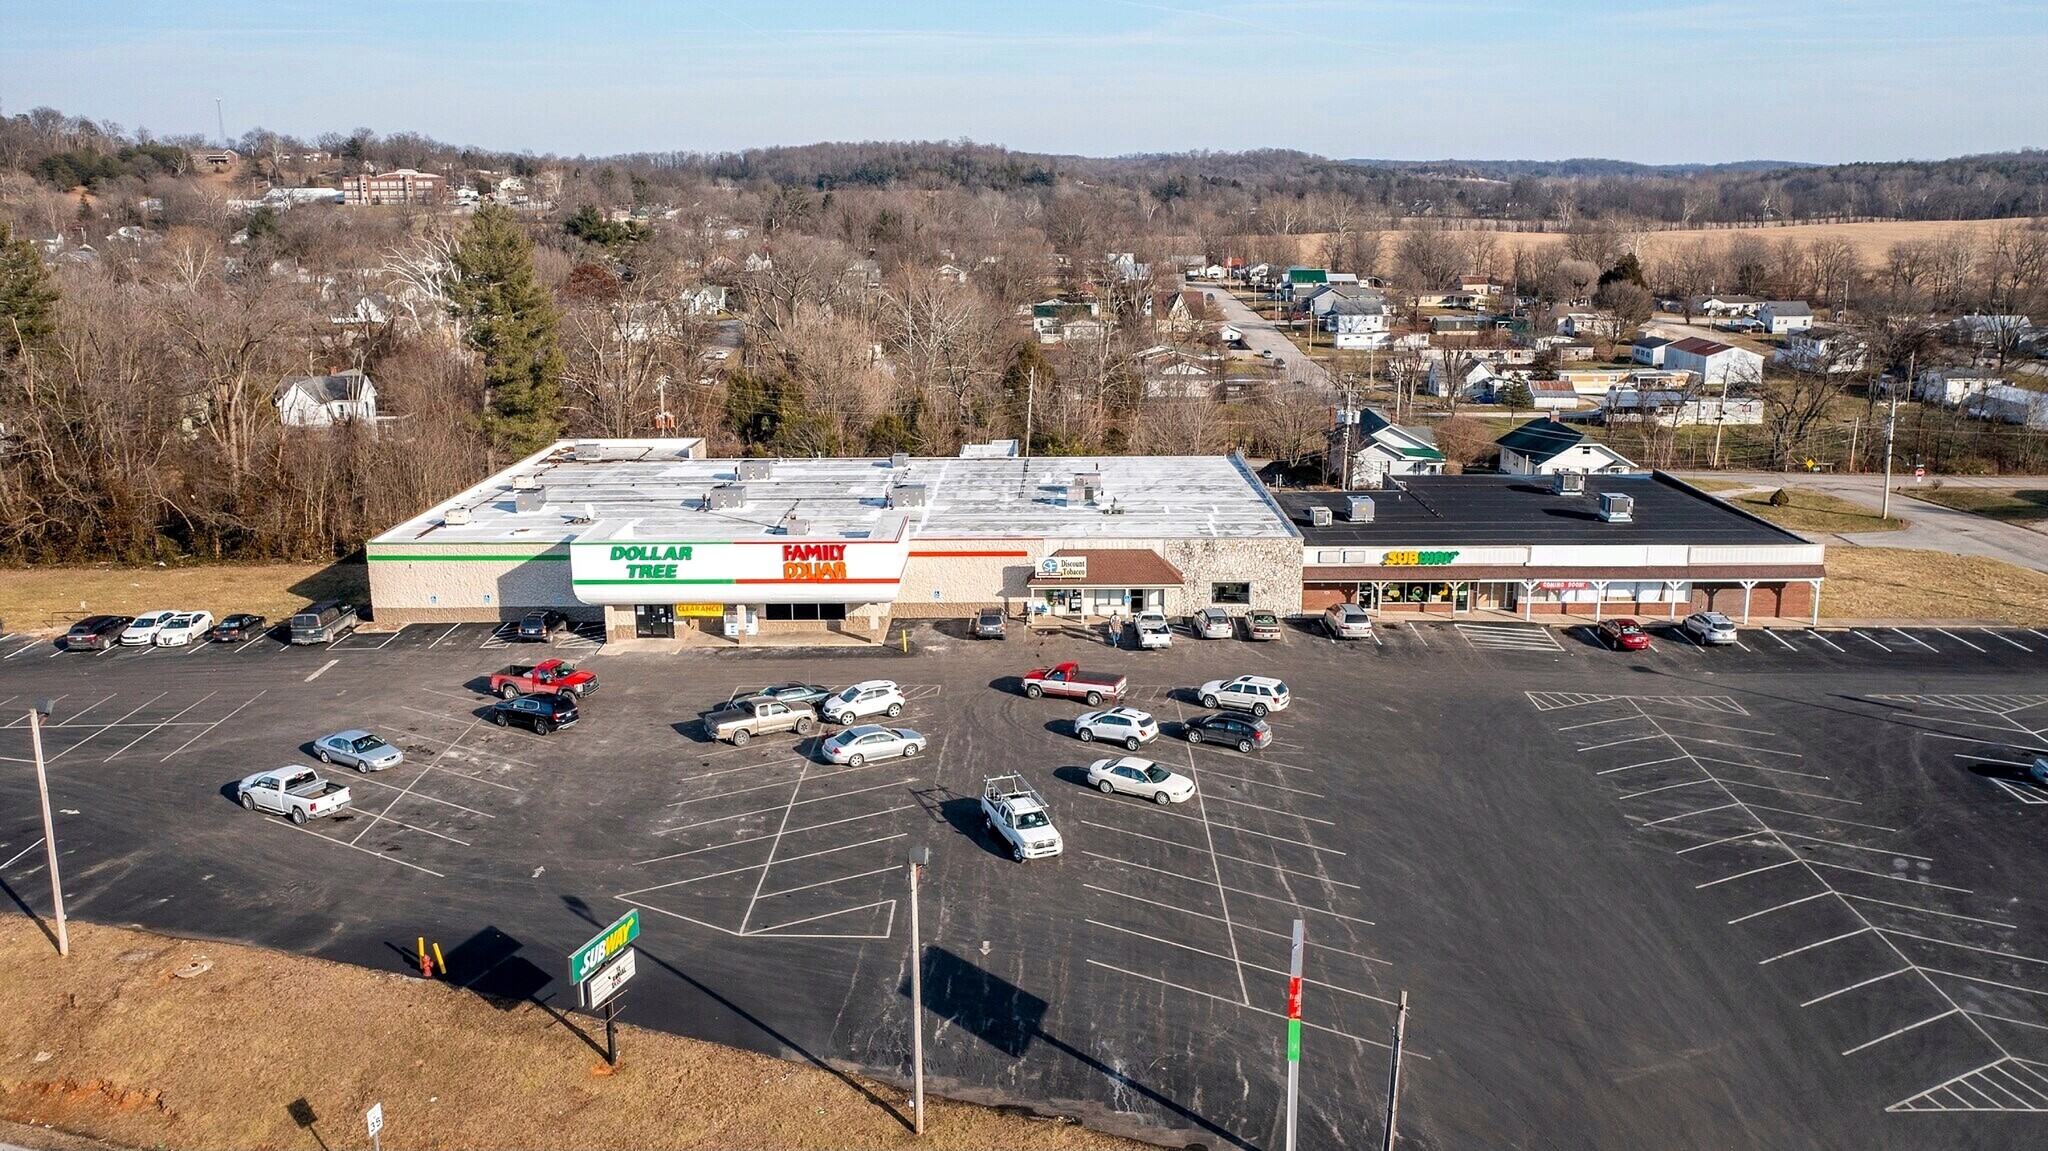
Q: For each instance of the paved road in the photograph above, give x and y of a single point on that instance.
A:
(1933, 526)
(1261, 335)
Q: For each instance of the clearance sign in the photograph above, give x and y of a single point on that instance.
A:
(771, 570)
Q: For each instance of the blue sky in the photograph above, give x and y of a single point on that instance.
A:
(1660, 82)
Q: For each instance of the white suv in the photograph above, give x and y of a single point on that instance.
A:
(1257, 694)
(866, 698)
(1124, 725)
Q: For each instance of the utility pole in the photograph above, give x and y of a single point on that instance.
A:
(1394, 1075)
(1294, 1029)
(1349, 416)
(1030, 395)
(1720, 420)
(1891, 427)
(36, 716)
(919, 856)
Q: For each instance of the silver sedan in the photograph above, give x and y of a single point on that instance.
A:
(857, 745)
(1139, 777)
(357, 749)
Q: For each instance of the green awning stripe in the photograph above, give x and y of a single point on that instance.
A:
(386, 557)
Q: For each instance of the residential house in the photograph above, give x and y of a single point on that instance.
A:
(1365, 448)
(1256, 274)
(1456, 298)
(1081, 330)
(1715, 363)
(702, 300)
(1952, 387)
(1551, 395)
(398, 186)
(953, 272)
(1590, 326)
(756, 262)
(1545, 447)
(1215, 272)
(1821, 350)
(324, 401)
(1174, 373)
(1320, 298)
(1723, 305)
(1482, 286)
(866, 273)
(1673, 409)
(1781, 316)
(1649, 350)
(1360, 323)
(1048, 317)
(1475, 379)
(1460, 325)
(1985, 331)
(1230, 335)
(1592, 383)
(2010, 404)
(1125, 266)
(1298, 281)
(1183, 314)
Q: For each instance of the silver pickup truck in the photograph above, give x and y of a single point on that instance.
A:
(739, 720)
(297, 793)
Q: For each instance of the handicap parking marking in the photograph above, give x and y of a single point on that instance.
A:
(1959, 639)
(1509, 637)
(2025, 794)
(500, 637)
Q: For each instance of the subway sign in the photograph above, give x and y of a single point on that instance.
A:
(1418, 559)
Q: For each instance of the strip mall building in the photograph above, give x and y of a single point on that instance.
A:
(656, 541)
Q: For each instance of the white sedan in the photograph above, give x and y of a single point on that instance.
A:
(143, 628)
(857, 745)
(1140, 777)
(182, 629)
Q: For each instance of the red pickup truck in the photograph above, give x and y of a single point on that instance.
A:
(549, 675)
(1069, 680)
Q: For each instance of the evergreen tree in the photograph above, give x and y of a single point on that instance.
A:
(28, 300)
(511, 323)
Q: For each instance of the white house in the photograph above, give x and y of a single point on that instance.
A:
(1378, 449)
(1590, 325)
(1674, 409)
(1989, 330)
(1781, 316)
(1172, 373)
(1476, 382)
(1951, 388)
(1552, 395)
(703, 300)
(1715, 363)
(1365, 322)
(1649, 351)
(1821, 349)
(1724, 305)
(323, 401)
(2009, 404)
(1546, 447)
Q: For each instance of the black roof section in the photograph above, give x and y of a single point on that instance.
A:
(1497, 510)
(1542, 439)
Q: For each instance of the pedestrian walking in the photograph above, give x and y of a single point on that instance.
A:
(1116, 630)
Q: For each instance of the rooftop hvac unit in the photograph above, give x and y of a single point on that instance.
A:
(1319, 516)
(530, 500)
(899, 460)
(589, 450)
(795, 525)
(1568, 484)
(1359, 509)
(1087, 486)
(525, 481)
(909, 495)
(1617, 509)
(756, 469)
(456, 516)
(725, 497)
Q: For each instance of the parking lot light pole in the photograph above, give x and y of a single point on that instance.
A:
(1294, 1028)
(41, 710)
(919, 857)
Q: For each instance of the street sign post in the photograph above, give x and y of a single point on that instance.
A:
(375, 1119)
(603, 989)
(585, 960)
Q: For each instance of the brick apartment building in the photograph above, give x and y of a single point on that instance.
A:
(399, 186)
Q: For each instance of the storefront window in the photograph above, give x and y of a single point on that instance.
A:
(1238, 594)
(787, 612)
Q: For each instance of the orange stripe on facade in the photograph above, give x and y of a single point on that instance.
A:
(967, 555)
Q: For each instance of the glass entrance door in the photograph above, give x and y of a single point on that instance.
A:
(654, 621)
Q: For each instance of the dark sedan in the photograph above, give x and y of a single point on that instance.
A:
(542, 713)
(542, 626)
(238, 627)
(811, 693)
(1243, 732)
(96, 632)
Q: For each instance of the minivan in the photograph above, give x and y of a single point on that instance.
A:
(324, 621)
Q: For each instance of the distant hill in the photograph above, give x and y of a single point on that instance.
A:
(1583, 168)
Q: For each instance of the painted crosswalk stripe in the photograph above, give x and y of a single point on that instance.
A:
(1509, 637)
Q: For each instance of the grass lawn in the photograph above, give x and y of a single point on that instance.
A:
(1817, 512)
(1892, 583)
(1707, 485)
(34, 599)
(2013, 505)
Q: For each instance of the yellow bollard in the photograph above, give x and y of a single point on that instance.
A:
(906, 641)
(437, 959)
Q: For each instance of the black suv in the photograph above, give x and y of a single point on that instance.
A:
(238, 627)
(1243, 732)
(541, 626)
(543, 713)
(96, 632)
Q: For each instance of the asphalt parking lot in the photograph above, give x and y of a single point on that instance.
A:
(1680, 897)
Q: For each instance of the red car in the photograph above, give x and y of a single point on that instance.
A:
(1623, 635)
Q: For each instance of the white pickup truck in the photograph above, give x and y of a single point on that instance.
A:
(1016, 814)
(1153, 630)
(298, 793)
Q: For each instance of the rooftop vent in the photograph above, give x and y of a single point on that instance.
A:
(899, 460)
(756, 469)
(525, 481)
(1359, 509)
(1568, 484)
(794, 525)
(1086, 488)
(1617, 509)
(1319, 516)
(530, 500)
(589, 450)
(725, 497)
(909, 495)
(456, 516)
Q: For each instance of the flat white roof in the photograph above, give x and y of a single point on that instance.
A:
(654, 490)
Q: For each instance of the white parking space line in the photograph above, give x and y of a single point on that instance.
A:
(829, 882)
(2002, 637)
(362, 778)
(1241, 927)
(415, 781)
(436, 641)
(1903, 1030)
(1914, 639)
(1262, 783)
(1854, 986)
(209, 728)
(104, 728)
(1959, 639)
(792, 831)
(2024, 795)
(1816, 943)
(1860, 635)
(1825, 640)
(1781, 906)
(24, 851)
(154, 728)
(1788, 645)
(25, 647)
(1253, 966)
(322, 670)
(364, 850)
(1222, 855)
(1247, 1006)
(749, 867)
(1265, 807)
(785, 807)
